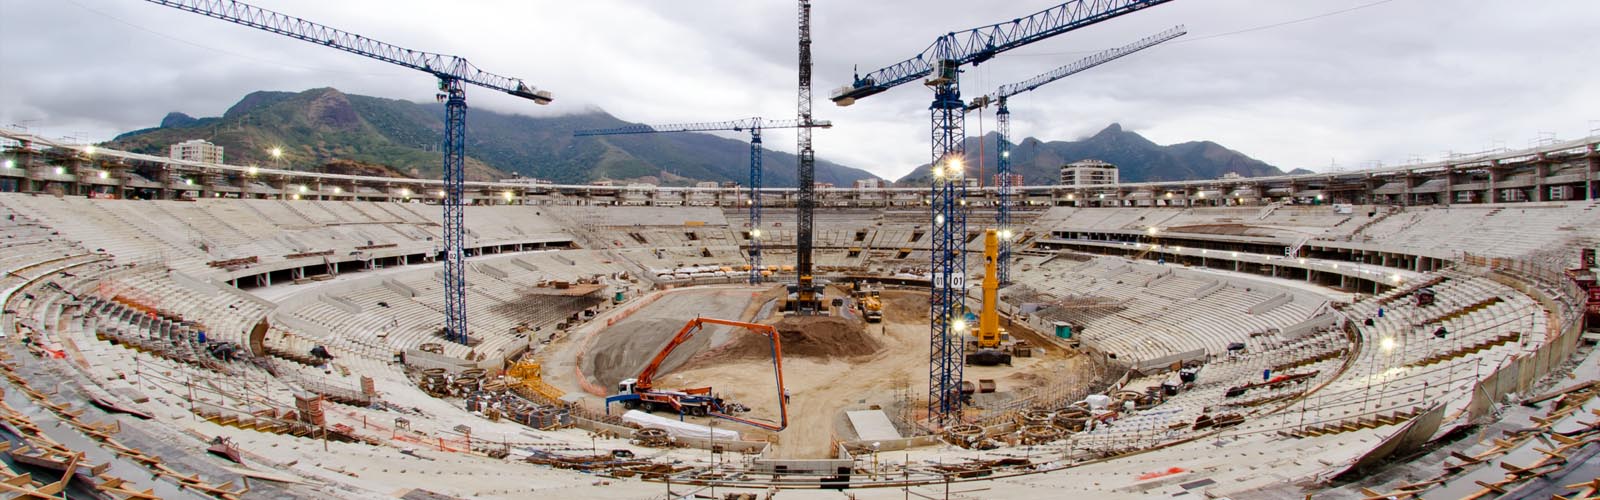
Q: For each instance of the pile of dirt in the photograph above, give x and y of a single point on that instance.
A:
(905, 307)
(825, 337)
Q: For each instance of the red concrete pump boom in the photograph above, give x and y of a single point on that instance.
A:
(645, 385)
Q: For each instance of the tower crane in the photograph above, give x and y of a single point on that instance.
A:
(808, 296)
(941, 62)
(754, 125)
(452, 72)
(1002, 120)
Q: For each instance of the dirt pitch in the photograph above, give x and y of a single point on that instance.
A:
(831, 365)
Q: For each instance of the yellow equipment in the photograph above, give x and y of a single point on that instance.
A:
(803, 297)
(990, 337)
(870, 302)
(532, 384)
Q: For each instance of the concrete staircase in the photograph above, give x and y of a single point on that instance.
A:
(1355, 424)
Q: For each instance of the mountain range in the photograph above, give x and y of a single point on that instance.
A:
(1137, 158)
(327, 130)
(319, 126)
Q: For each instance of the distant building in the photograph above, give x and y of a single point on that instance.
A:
(638, 194)
(529, 181)
(1088, 173)
(822, 185)
(1016, 180)
(868, 184)
(196, 150)
(706, 185)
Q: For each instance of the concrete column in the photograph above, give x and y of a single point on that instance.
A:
(1494, 177)
(1594, 175)
(1405, 192)
(1541, 169)
(208, 185)
(164, 179)
(1449, 186)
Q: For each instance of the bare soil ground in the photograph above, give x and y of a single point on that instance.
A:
(824, 387)
(811, 337)
(833, 365)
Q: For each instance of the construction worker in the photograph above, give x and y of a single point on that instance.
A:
(786, 395)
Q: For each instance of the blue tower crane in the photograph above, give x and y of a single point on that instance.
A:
(754, 125)
(452, 72)
(941, 62)
(1002, 120)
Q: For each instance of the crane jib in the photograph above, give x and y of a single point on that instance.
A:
(980, 44)
(451, 71)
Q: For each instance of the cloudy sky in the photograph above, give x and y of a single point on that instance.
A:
(1318, 84)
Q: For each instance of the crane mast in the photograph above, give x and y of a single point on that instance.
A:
(948, 262)
(1003, 190)
(452, 72)
(1002, 116)
(941, 64)
(808, 296)
(754, 125)
(755, 206)
(455, 232)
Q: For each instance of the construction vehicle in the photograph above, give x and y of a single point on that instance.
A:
(869, 302)
(640, 392)
(805, 299)
(938, 67)
(872, 307)
(1002, 120)
(992, 344)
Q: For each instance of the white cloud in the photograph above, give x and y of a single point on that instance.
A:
(1387, 81)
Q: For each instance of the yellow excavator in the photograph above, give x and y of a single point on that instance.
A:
(992, 344)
